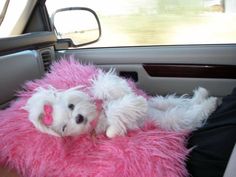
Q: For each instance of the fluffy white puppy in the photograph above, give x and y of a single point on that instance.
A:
(182, 113)
(111, 106)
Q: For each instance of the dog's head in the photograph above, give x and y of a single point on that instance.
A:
(81, 110)
(61, 113)
(46, 111)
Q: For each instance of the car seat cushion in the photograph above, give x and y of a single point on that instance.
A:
(148, 151)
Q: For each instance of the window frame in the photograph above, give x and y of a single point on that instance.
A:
(4, 10)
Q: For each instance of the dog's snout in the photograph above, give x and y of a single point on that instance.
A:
(79, 119)
(63, 128)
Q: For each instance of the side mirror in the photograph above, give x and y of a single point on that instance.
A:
(77, 25)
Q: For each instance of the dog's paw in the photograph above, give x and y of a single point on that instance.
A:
(211, 103)
(109, 86)
(113, 131)
(200, 95)
(208, 107)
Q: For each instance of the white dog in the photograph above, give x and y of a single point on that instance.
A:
(68, 114)
(111, 106)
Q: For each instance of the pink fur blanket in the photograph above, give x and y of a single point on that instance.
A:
(147, 152)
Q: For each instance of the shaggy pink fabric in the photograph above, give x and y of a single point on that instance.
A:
(147, 152)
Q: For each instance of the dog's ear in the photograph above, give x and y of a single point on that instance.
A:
(46, 117)
(42, 127)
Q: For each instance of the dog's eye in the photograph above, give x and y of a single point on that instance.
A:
(71, 106)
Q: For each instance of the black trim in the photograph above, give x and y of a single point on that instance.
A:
(39, 19)
(45, 16)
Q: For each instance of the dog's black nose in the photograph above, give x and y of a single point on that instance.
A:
(63, 128)
(79, 119)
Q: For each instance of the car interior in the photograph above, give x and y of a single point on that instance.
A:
(156, 69)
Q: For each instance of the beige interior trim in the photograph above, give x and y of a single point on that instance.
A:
(16, 17)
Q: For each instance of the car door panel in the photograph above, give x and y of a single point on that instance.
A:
(168, 85)
(219, 81)
(15, 69)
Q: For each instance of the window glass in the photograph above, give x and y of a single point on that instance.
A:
(159, 22)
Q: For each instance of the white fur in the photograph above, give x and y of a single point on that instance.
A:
(84, 106)
(127, 112)
(122, 109)
(182, 113)
(35, 106)
(108, 86)
(64, 123)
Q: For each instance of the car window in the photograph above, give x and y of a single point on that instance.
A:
(159, 22)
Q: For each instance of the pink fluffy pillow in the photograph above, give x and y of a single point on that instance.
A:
(149, 151)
